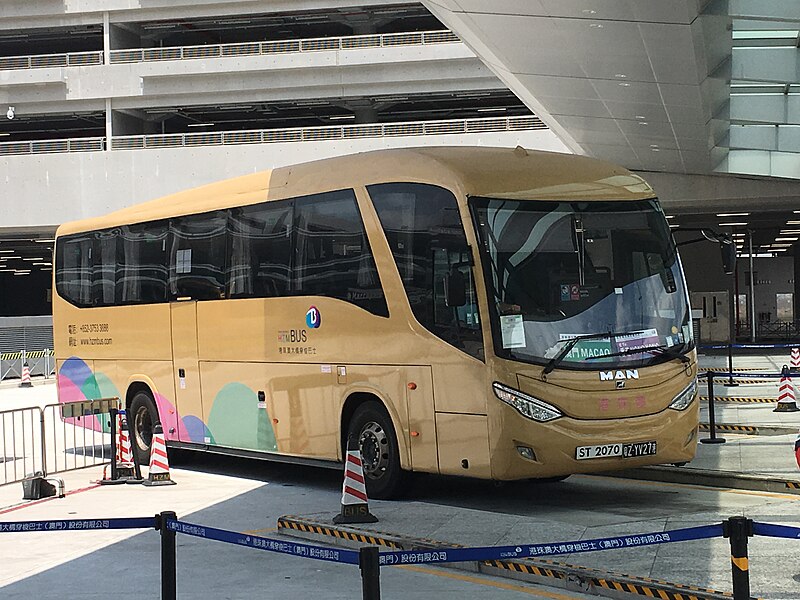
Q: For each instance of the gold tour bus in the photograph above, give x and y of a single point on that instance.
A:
(493, 313)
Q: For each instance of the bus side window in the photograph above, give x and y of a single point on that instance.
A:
(74, 269)
(332, 254)
(142, 271)
(423, 228)
(105, 258)
(197, 256)
(259, 251)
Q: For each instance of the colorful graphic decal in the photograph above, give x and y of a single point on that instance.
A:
(313, 318)
(236, 420)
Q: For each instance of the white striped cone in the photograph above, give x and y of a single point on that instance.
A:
(355, 508)
(26, 377)
(122, 470)
(125, 463)
(795, 359)
(159, 462)
(118, 455)
(786, 398)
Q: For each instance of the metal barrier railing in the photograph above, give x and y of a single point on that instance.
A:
(55, 438)
(40, 362)
(354, 42)
(274, 136)
(94, 144)
(22, 439)
(40, 61)
(336, 132)
(134, 55)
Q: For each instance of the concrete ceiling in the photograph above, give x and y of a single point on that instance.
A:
(643, 83)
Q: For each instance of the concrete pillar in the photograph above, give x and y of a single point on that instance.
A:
(796, 297)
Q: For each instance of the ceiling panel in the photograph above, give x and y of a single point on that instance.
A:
(572, 106)
(595, 71)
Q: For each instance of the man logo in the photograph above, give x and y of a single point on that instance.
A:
(620, 384)
(619, 375)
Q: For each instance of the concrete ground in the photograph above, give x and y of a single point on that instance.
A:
(249, 496)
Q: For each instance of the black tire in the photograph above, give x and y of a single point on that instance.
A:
(380, 456)
(142, 416)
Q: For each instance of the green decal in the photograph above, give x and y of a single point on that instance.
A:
(237, 421)
(589, 348)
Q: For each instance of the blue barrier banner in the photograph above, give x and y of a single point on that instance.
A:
(78, 524)
(440, 555)
(720, 375)
(745, 346)
(261, 543)
(781, 531)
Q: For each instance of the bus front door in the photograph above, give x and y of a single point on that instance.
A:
(185, 360)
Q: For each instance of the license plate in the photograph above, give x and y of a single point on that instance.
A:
(631, 450)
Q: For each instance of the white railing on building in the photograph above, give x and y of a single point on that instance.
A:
(271, 136)
(336, 132)
(40, 61)
(82, 59)
(386, 40)
(89, 144)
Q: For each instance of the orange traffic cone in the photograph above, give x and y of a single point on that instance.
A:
(786, 399)
(120, 472)
(355, 508)
(26, 376)
(159, 463)
(125, 467)
(795, 359)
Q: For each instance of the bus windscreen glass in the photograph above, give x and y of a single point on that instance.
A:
(561, 270)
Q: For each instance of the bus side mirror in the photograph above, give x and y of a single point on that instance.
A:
(728, 250)
(455, 289)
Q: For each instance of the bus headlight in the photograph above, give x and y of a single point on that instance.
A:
(684, 399)
(527, 406)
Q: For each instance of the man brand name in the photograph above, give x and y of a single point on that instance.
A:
(612, 375)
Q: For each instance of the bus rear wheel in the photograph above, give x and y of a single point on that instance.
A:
(142, 416)
(380, 456)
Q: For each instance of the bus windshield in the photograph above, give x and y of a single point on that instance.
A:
(556, 271)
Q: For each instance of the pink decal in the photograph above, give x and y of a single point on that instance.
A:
(173, 426)
(69, 392)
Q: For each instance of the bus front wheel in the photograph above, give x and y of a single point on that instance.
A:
(142, 416)
(380, 457)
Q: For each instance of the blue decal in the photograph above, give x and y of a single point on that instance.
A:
(313, 318)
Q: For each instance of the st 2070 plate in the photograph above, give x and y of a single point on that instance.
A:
(630, 450)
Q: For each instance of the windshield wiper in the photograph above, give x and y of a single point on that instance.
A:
(669, 351)
(556, 360)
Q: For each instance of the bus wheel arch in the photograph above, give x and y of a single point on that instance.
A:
(142, 413)
(365, 417)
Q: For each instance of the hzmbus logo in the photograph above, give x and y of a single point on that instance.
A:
(313, 318)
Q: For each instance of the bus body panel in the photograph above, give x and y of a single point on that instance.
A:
(463, 445)
(185, 362)
(421, 419)
(605, 394)
(555, 443)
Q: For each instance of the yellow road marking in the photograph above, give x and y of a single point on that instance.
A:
(255, 531)
(699, 487)
(488, 582)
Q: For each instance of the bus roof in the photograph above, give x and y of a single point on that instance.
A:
(473, 171)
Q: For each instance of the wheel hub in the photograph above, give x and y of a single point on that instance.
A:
(373, 444)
